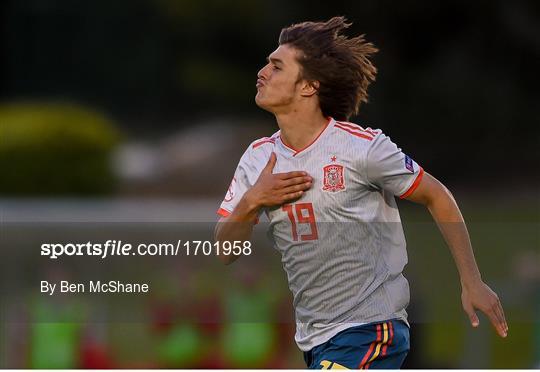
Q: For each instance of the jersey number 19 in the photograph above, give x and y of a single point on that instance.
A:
(296, 214)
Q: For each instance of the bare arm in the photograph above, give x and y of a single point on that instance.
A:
(445, 211)
(269, 190)
(238, 226)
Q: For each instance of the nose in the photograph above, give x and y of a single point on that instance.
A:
(263, 73)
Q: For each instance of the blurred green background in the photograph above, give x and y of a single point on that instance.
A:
(144, 107)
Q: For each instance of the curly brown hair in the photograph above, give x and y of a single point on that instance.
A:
(340, 64)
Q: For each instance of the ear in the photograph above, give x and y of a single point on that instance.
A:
(309, 88)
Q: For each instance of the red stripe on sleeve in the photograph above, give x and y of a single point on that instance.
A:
(354, 133)
(262, 142)
(223, 212)
(414, 185)
(358, 127)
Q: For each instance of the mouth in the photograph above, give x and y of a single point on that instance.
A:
(259, 83)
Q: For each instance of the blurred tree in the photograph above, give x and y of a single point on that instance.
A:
(48, 149)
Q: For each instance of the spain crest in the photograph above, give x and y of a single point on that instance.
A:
(334, 179)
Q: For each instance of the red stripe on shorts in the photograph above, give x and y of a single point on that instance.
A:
(371, 348)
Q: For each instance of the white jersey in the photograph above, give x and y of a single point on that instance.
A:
(341, 243)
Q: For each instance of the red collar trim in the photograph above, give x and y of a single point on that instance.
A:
(296, 152)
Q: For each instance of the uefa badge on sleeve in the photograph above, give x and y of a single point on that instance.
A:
(334, 179)
(409, 163)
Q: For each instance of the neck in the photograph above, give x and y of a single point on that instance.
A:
(300, 128)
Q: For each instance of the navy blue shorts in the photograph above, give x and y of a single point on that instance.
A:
(376, 345)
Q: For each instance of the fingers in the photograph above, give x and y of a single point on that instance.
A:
(295, 188)
(498, 322)
(292, 196)
(271, 163)
(484, 299)
(502, 325)
(288, 175)
(296, 181)
(286, 186)
(501, 311)
(469, 309)
(495, 314)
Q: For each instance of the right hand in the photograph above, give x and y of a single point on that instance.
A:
(276, 189)
(481, 297)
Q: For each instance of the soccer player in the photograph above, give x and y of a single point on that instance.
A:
(328, 187)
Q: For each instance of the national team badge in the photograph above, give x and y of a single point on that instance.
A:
(334, 178)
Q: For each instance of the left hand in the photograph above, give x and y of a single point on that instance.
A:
(481, 297)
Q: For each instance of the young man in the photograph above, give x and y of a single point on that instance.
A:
(328, 187)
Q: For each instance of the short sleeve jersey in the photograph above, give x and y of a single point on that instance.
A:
(342, 244)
